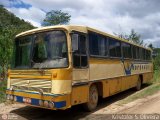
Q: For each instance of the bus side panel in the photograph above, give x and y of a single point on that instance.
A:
(105, 69)
(105, 88)
(129, 82)
(109, 69)
(124, 83)
(114, 85)
(79, 94)
(133, 80)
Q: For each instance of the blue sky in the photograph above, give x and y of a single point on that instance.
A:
(20, 4)
(112, 16)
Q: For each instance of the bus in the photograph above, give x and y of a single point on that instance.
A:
(58, 67)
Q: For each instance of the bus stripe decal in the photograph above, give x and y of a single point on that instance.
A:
(34, 101)
(60, 104)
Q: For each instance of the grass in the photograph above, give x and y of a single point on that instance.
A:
(3, 85)
(153, 88)
(156, 78)
(142, 94)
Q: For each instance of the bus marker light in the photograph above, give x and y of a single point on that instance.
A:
(54, 75)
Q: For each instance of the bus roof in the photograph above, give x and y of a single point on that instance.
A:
(78, 28)
(65, 27)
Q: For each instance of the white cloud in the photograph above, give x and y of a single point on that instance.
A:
(108, 15)
(33, 15)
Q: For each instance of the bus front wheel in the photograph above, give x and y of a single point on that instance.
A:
(93, 99)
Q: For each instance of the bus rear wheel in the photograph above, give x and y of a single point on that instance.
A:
(139, 84)
(93, 99)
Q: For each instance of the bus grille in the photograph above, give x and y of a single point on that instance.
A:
(31, 84)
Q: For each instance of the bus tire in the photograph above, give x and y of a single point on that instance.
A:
(93, 99)
(139, 84)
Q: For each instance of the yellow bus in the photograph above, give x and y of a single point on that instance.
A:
(58, 67)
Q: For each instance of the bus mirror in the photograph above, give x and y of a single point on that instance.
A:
(74, 42)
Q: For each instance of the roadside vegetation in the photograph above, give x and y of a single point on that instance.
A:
(2, 91)
(10, 25)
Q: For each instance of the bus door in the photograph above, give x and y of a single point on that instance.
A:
(80, 58)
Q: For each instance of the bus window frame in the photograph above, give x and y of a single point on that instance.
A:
(57, 29)
(120, 49)
(87, 48)
(98, 56)
(126, 58)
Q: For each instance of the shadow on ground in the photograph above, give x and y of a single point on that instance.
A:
(74, 113)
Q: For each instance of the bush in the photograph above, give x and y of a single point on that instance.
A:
(156, 62)
(3, 86)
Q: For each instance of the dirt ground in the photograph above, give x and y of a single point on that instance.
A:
(105, 110)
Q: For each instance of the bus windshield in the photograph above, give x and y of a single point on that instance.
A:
(41, 50)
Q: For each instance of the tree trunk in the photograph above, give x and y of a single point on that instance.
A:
(3, 72)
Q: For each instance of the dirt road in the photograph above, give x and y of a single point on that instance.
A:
(147, 105)
(106, 107)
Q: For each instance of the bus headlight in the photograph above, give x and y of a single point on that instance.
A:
(45, 103)
(41, 102)
(11, 97)
(24, 100)
(11, 88)
(15, 98)
(51, 104)
(29, 101)
(8, 97)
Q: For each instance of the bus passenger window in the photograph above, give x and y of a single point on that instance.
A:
(98, 45)
(114, 48)
(126, 50)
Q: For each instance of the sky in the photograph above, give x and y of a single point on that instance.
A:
(112, 16)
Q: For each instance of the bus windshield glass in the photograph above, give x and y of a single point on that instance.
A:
(41, 50)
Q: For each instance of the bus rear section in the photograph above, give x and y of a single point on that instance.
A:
(105, 65)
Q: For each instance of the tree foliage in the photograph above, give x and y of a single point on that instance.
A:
(133, 37)
(151, 46)
(156, 61)
(56, 17)
(10, 25)
(6, 46)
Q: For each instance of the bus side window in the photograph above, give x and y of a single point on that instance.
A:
(80, 59)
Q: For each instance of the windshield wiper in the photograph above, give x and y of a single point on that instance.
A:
(57, 57)
(38, 65)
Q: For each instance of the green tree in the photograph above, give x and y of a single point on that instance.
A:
(6, 45)
(56, 17)
(133, 37)
(151, 46)
(10, 25)
(156, 62)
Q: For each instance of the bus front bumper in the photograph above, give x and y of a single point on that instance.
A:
(48, 101)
